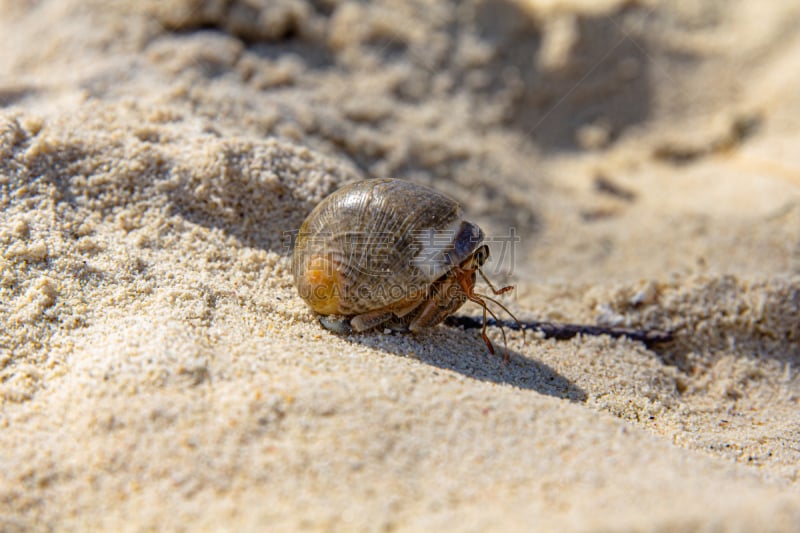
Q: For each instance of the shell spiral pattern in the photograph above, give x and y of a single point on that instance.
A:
(378, 246)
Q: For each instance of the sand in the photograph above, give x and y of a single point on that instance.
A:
(159, 372)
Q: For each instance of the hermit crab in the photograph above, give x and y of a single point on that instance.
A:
(392, 254)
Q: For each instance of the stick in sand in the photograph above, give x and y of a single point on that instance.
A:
(560, 331)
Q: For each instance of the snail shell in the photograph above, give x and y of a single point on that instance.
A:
(386, 252)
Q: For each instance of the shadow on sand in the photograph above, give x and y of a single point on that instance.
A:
(444, 347)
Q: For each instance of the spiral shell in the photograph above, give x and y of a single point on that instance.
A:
(386, 252)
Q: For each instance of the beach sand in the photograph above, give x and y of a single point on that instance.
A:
(158, 370)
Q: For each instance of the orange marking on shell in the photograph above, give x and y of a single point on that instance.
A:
(323, 284)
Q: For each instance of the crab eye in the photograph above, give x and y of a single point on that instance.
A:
(481, 255)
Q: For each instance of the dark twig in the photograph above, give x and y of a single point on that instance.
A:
(556, 330)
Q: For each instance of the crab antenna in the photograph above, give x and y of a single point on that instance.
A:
(491, 286)
(478, 299)
(503, 307)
